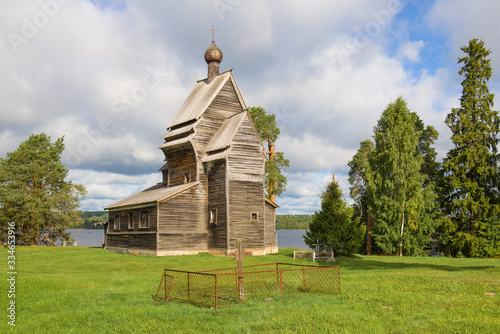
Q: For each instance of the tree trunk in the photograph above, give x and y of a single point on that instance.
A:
(369, 235)
(401, 236)
(272, 196)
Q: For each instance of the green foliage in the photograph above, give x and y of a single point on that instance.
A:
(292, 222)
(401, 194)
(469, 185)
(268, 131)
(358, 173)
(92, 217)
(333, 225)
(34, 194)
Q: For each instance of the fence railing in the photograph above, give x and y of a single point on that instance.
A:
(227, 287)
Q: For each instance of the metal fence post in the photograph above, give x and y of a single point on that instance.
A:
(281, 283)
(165, 282)
(216, 298)
(189, 297)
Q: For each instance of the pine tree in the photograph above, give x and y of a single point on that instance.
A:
(469, 185)
(333, 225)
(401, 201)
(276, 163)
(34, 194)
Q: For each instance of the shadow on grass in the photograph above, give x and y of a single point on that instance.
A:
(358, 262)
(378, 263)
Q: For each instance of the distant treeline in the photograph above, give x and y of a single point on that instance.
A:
(283, 222)
(91, 217)
(292, 222)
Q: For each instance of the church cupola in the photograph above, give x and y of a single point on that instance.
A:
(213, 57)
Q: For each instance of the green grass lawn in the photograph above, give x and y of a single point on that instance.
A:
(90, 290)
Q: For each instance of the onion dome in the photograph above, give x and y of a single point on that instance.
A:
(213, 53)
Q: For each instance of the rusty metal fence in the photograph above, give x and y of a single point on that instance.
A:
(227, 287)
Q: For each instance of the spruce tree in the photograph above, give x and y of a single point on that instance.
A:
(34, 193)
(401, 201)
(333, 225)
(469, 185)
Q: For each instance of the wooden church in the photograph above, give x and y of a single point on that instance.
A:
(212, 191)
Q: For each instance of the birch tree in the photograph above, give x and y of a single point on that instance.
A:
(396, 184)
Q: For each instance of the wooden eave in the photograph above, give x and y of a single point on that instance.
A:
(181, 130)
(225, 135)
(271, 203)
(216, 155)
(150, 196)
(177, 142)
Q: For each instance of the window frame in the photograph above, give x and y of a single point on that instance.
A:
(212, 216)
(141, 220)
(130, 220)
(116, 223)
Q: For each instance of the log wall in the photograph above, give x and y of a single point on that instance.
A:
(132, 241)
(246, 188)
(182, 224)
(270, 237)
(181, 163)
(217, 201)
(135, 215)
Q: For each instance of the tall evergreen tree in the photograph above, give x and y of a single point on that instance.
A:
(333, 225)
(469, 185)
(276, 162)
(400, 199)
(34, 194)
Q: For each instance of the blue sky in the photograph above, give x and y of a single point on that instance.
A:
(109, 76)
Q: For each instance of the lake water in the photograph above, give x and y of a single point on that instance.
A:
(94, 238)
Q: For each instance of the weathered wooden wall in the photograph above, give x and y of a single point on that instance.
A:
(217, 200)
(124, 217)
(270, 237)
(181, 162)
(246, 188)
(183, 221)
(132, 241)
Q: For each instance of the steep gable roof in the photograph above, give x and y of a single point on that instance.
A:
(201, 97)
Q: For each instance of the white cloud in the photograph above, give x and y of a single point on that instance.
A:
(411, 51)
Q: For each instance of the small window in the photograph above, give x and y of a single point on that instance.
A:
(117, 222)
(254, 216)
(144, 222)
(187, 177)
(130, 220)
(212, 219)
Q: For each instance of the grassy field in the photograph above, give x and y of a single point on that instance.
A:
(89, 290)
